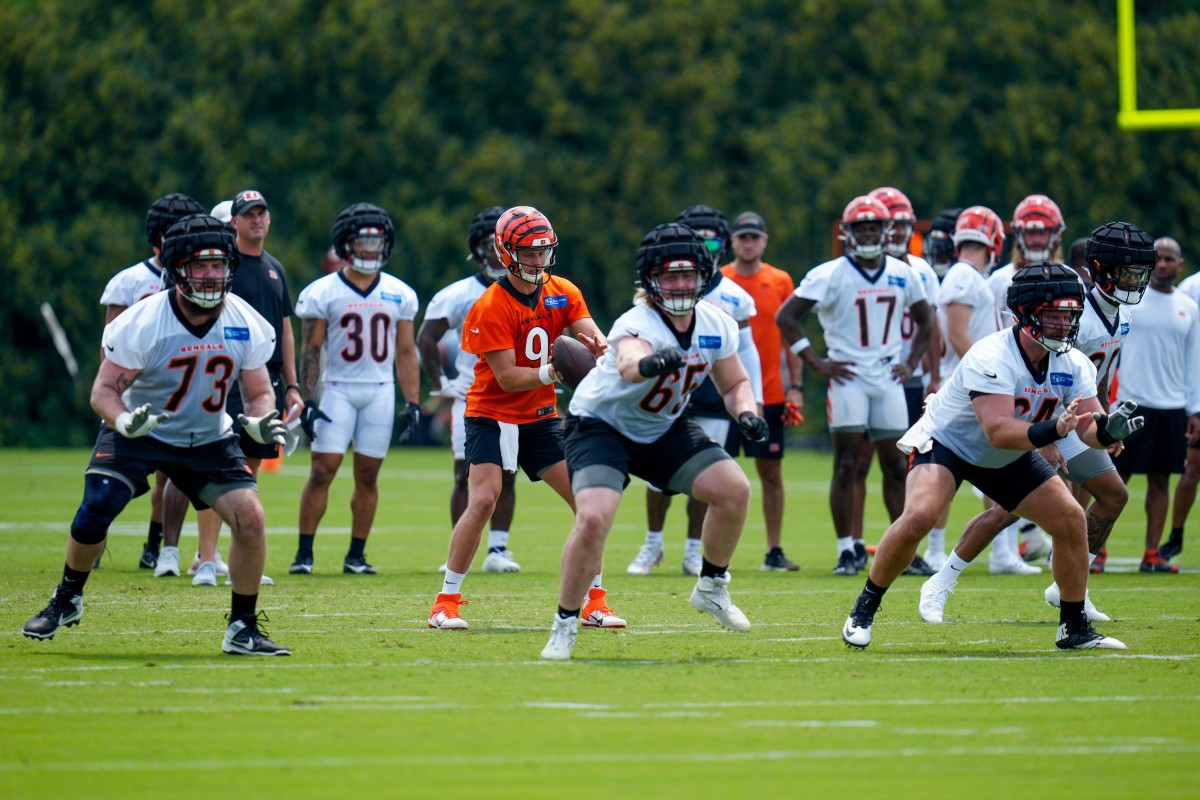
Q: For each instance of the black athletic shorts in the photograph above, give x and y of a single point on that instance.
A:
(233, 407)
(1159, 447)
(1007, 485)
(772, 448)
(539, 444)
(203, 472)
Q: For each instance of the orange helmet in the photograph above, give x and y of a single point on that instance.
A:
(865, 209)
(1037, 213)
(525, 243)
(903, 218)
(981, 225)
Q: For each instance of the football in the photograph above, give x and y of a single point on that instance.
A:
(571, 360)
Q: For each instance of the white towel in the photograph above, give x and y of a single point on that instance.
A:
(917, 438)
(510, 436)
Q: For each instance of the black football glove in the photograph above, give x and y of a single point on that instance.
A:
(1114, 427)
(308, 419)
(410, 417)
(754, 427)
(661, 362)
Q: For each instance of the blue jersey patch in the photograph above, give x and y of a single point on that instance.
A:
(733, 301)
(1124, 328)
(240, 334)
(555, 301)
(710, 342)
(895, 280)
(1061, 379)
(395, 298)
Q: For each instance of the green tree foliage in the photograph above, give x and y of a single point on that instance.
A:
(610, 116)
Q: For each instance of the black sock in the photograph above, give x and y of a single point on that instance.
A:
(566, 613)
(711, 570)
(306, 542)
(154, 535)
(243, 608)
(496, 549)
(1176, 535)
(1070, 612)
(356, 547)
(874, 590)
(72, 583)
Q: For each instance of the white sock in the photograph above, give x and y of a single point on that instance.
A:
(1013, 533)
(937, 541)
(952, 569)
(655, 539)
(498, 539)
(452, 583)
(1092, 558)
(1001, 550)
(845, 543)
(692, 547)
(596, 583)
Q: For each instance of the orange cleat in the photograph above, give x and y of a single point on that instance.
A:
(597, 614)
(444, 614)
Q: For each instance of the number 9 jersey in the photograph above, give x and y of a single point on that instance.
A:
(644, 411)
(187, 371)
(504, 319)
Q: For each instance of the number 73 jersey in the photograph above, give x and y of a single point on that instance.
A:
(996, 365)
(644, 411)
(187, 371)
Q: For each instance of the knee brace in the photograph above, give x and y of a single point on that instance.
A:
(103, 498)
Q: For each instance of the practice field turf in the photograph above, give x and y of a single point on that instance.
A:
(138, 701)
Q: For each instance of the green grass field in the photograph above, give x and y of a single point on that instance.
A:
(138, 701)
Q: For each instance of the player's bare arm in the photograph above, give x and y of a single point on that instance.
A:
(923, 317)
(428, 336)
(730, 377)
(112, 380)
(312, 334)
(294, 401)
(258, 396)
(112, 312)
(1003, 430)
(408, 365)
(586, 331)
(512, 378)
(790, 319)
(958, 317)
(630, 352)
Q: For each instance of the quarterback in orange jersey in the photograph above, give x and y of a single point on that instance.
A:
(511, 418)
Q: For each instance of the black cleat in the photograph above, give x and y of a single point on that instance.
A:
(860, 555)
(358, 565)
(245, 638)
(303, 564)
(856, 633)
(1080, 635)
(1172, 547)
(59, 614)
(776, 561)
(149, 559)
(846, 564)
(919, 567)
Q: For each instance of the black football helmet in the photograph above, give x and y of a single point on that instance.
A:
(165, 212)
(481, 234)
(372, 227)
(938, 247)
(674, 248)
(714, 230)
(1121, 257)
(194, 238)
(1044, 287)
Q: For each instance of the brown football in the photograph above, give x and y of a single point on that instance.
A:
(572, 360)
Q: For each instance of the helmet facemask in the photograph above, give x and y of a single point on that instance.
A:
(896, 242)
(205, 291)
(1058, 333)
(1034, 255)
(867, 242)
(679, 295)
(1122, 283)
(532, 264)
(367, 250)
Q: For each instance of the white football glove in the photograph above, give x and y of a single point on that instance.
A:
(267, 429)
(139, 422)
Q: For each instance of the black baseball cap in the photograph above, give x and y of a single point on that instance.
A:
(248, 199)
(749, 222)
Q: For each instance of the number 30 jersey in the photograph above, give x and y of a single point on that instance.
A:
(644, 411)
(187, 371)
(504, 319)
(360, 326)
(996, 365)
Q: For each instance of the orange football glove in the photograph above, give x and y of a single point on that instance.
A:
(791, 414)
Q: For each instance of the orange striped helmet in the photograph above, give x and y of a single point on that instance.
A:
(1037, 213)
(981, 225)
(903, 218)
(525, 243)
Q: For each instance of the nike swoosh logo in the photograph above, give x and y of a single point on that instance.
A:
(110, 347)
(989, 374)
(474, 330)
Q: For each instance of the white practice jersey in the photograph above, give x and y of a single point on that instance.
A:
(996, 365)
(999, 281)
(964, 285)
(645, 411)
(732, 299)
(1099, 339)
(187, 372)
(908, 328)
(1191, 287)
(133, 283)
(861, 314)
(360, 326)
(452, 304)
(1160, 361)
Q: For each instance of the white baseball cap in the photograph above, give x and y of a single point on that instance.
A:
(223, 210)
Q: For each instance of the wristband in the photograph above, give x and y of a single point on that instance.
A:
(800, 345)
(797, 387)
(291, 386)
(544, 374)
(1044, 433)
(1101, 434)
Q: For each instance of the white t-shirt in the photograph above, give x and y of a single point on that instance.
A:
(360, 332)
(965, 285)
(452, 304)
(1191, 287)
(1160, 360)
(185, 371)
(996, 365)
(133, 283)
(645, 411)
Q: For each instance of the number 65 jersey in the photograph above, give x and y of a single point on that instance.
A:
(996, 365)
(187, 371)
(645, 411)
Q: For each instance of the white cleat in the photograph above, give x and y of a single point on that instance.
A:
(265, 580)
(1013, 567)
(691, 564)
(500, 561)
(168, 563)
(562, 639)
(222, 567)
(647, 559)
(1035, 543)
(711, 596)
(1093, 614)
(935, 560)
(205, 574)
(934, 594)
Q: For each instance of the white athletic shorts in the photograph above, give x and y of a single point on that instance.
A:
(871, 402)
(458, 429)
(360, 413)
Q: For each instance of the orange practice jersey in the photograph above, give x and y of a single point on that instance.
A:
(770, 288)
(503, 319)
